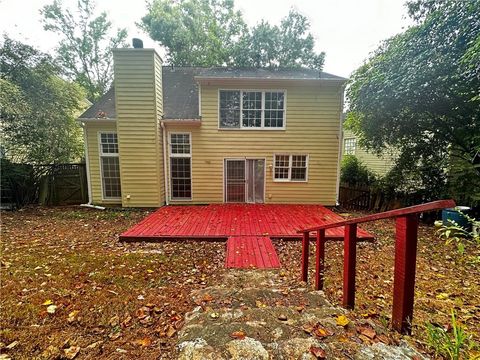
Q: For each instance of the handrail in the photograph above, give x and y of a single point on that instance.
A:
(434, 205)
(406, 237)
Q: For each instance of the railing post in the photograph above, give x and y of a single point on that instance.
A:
(320, 260)
(349, 262)
(305, 252)
(404, 272)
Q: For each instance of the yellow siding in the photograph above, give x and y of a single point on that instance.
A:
(312, 128)
(92, 131)
(379, 164)
(138, 108)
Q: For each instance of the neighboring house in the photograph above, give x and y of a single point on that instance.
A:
(378, 164)
(187, 135)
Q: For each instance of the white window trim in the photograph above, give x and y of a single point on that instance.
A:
(170, 155)
(345, 143)
(290, 156)
(101, 154)
(262, 127)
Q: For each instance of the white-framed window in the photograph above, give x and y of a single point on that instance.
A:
(110, 165)
(289, 167)
(251, 109)
(350, 146)
(180, 166)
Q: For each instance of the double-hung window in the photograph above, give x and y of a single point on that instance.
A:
(180, 166)
(251, 109)
(350, 146)
(290, 167)
(110, 166)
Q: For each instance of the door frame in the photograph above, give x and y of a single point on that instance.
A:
(245, 158)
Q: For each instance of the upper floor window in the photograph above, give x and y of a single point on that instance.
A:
(245, 109)
(350, 146)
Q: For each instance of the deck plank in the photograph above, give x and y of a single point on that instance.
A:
(246, 252)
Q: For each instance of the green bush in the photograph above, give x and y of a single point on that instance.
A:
(19, 183)
(354, 172)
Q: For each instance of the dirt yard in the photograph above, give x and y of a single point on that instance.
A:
(69, 289)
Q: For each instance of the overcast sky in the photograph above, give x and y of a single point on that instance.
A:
(347, 30)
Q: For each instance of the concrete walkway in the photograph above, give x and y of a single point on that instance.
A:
(253, 315)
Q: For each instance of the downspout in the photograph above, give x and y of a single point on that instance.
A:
(87, 165)
(165, 167)
(340, 143)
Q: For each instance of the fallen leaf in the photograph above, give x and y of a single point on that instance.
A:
(51, 309)
(143, 312)
(143, 342)
(240, 335)
(318, 352)
(442, 296)
(48, 302)
(368, 332)
(207, 297)
(342, 320)
(72, 316)
(260, 304)
(12, 345)
(308, 328)
(71, 352)
(321, 332)
(214, 315)
(171, 331)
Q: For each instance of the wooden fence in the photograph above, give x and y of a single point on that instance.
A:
(56, 184)
(367, 198)
(64, 184)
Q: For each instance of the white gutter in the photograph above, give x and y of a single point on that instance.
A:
(340, 144)
(165, 167)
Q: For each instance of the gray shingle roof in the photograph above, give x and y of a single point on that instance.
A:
(180, 89)
(261, 73)
(104, 108)
(180, 93)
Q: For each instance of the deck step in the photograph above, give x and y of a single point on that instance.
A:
(246, 252)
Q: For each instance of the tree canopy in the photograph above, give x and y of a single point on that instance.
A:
(85, 51)
(419, 94)
(37, 107)
(213, 33)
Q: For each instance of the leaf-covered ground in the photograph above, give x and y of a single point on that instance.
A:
(70, 289)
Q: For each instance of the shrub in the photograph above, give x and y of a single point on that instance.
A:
(19, 183)
(354, 172)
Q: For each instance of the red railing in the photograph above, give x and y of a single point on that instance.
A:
(405, 257)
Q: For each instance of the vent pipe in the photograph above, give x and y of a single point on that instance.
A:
(137, 43)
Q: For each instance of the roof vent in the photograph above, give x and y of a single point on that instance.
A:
(137, 43)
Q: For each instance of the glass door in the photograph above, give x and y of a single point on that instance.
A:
(256, 181)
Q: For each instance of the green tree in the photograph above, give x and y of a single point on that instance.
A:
(195, 32)
(212, 33)
(37, 107)
(419, 94)
(85, 51)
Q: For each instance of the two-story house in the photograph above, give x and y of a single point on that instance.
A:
(188, 135)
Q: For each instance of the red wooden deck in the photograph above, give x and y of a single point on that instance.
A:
(248, 228)
(251, 252)
(220, 221)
